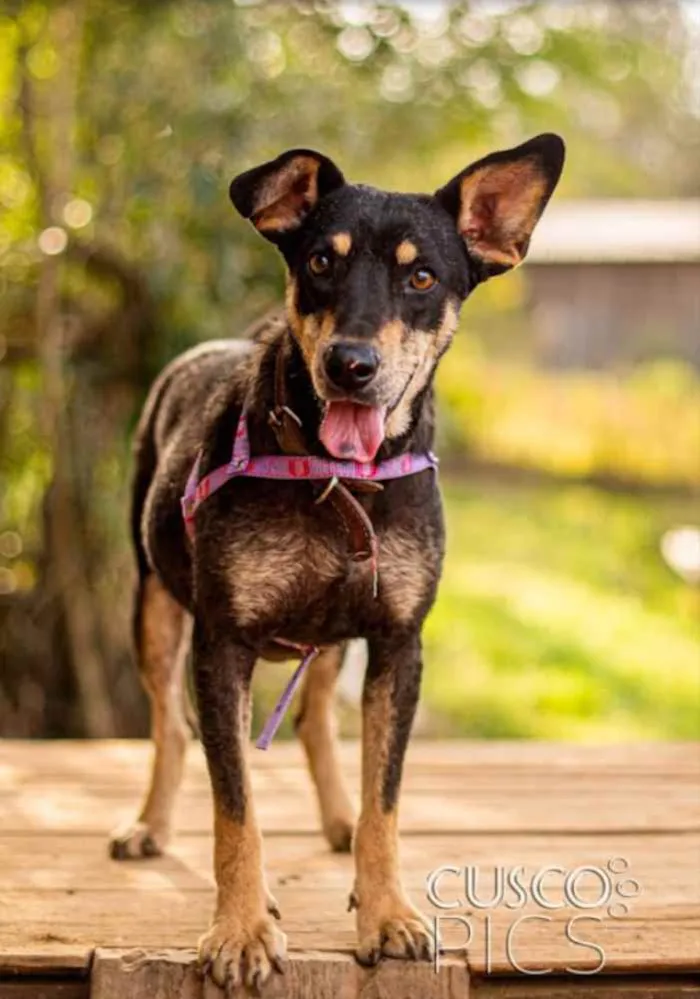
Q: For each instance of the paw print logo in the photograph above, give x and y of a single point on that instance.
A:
(624, 888)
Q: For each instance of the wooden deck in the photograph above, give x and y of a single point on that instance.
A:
(74, 924)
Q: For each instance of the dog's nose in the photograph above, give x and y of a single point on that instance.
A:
(351, 366)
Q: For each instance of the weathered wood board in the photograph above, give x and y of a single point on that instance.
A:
(67, 910)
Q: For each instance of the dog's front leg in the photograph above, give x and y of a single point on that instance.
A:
(387, 922)
(243, 944)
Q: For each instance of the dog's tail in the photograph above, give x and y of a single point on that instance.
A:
(144, 468)
(145, 460)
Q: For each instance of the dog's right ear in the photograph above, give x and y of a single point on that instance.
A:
(278, 195)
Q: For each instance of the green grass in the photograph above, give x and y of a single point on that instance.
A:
(558, 619)
(639, 425)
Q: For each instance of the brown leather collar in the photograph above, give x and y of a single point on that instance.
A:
(362, 540)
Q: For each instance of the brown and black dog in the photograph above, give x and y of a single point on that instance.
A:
(375, 284)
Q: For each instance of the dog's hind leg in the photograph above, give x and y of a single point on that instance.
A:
(162, 634)
(316, 727)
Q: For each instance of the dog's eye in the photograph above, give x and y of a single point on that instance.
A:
(422, 279)
(319, 263)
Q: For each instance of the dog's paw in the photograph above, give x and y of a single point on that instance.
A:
(233, 953)
(339, 833)
(135, 841)
(395, 930)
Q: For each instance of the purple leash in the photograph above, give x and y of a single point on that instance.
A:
(274, 721)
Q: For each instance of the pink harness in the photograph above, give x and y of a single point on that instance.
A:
(291, 468)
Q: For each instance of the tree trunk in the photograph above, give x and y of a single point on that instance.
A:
(48, 114)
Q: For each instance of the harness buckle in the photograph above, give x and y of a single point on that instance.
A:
(275, 417)
(328, 489)
(290, 412)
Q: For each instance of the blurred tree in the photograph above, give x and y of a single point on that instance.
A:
(121, 125)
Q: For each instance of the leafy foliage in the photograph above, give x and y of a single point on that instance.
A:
(558, 619)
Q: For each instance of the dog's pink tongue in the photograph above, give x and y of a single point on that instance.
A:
(351, 431)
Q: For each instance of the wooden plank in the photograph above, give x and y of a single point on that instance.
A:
(43, 988)
(60, 882)
(665, 864)
(42, 956)
(604, 810)
(137, 975)
(604, 987)
(104, 759)
(464, 787)
(508, 809)
(651, 939)
(140, 975)
(463, 804)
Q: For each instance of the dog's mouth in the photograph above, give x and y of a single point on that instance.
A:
(352, 431)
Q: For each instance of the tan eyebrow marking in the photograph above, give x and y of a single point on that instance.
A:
(342, 242)
(406, 252)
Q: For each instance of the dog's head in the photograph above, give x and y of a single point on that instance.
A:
(376, 279)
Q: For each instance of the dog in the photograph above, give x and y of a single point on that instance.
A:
(342, 381)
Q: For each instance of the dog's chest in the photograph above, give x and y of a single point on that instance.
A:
(299, 568)
(279, 565)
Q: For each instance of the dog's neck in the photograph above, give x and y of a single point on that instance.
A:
(302, 400)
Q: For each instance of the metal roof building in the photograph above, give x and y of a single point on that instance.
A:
(616, 280)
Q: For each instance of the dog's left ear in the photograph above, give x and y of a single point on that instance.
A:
(497, 201)
(278, 195)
